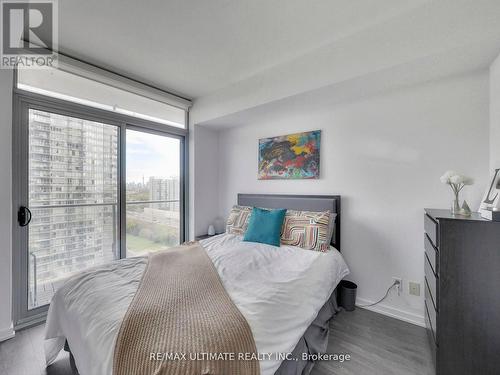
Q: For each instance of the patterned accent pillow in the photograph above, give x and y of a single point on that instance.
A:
(237, 221)
(306, 229)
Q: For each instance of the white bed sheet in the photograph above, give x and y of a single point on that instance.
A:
(279, 291)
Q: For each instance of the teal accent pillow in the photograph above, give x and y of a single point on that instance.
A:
(265, 226)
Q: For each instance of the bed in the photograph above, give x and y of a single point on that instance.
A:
(286, 294)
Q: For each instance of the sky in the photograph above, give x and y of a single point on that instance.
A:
(151, 155)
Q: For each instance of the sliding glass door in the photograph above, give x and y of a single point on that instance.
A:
(89, 187)
(72, 199)
(153, 192)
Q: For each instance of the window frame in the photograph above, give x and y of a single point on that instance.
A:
(22, 102)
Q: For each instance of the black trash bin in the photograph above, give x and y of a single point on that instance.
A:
(347, 290)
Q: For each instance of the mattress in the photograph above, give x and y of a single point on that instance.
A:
(279, 291)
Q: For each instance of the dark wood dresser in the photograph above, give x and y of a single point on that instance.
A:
(462, 292)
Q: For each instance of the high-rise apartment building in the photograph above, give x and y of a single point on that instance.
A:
(73, 180)
(165, 189)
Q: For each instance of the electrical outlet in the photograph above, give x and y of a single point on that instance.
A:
(399, 284)
(414, 288)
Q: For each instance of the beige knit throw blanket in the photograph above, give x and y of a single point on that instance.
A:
(181, 321)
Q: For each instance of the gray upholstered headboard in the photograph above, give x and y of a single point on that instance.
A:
(298, 202)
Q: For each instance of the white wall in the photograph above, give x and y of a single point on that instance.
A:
(384, 155)
(495, 114)
(5, 204)
(203, 179)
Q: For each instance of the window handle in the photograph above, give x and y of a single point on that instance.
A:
(23, 216)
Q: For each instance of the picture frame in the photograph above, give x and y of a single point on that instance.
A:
(490, 204)
(291, 156)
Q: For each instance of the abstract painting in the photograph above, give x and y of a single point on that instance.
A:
(292, 156)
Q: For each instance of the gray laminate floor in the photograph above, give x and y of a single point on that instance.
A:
(377, 345)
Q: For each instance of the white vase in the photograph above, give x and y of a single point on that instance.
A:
(211, 230)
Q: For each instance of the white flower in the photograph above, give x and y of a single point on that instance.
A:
(457, 179)
(445, 178)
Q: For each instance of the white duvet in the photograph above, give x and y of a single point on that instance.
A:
(279, 290)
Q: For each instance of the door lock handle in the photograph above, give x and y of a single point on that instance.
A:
(23, 216)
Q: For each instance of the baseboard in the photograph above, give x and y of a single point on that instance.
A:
(7, 333)
(392, 312)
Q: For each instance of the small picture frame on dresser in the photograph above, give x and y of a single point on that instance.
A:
(490, 204)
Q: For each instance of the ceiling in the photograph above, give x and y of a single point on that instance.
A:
(196, 47)
(230, 56)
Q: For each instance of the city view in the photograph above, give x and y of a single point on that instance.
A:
(152, 215)
(73, 197)
(153, 192)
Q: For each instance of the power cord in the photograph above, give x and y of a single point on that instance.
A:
(396, 282)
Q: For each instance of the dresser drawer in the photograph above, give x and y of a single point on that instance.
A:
(431, 340)
(428, 295)
(432, 254)
(430, 322)
(431, 228)
(431, 281)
